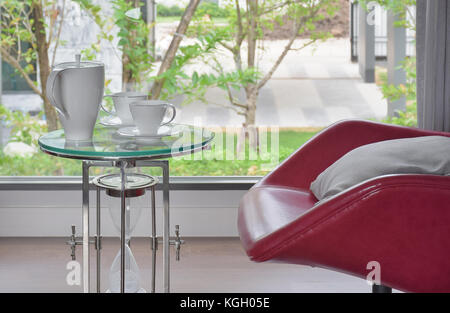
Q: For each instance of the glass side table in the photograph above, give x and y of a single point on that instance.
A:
(108, 149)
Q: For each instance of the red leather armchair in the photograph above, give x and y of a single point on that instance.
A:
(400, 221)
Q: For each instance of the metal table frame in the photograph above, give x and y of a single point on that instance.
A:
(122, 163)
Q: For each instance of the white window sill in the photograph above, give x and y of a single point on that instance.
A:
(176, 182)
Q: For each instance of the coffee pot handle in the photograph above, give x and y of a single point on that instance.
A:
(174, 113)
(105, 109)
(51, 82)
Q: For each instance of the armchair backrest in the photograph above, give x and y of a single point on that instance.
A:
(305, 164)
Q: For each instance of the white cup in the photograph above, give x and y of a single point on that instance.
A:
(148, 115)
(122, 102)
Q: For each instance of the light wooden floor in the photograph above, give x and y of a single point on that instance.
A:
(207, 265)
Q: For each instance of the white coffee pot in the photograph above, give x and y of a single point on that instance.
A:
(75, 89)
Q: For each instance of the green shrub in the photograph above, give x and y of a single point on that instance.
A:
(212, 9)
(408, 90)
(24, 127)
(174, 10)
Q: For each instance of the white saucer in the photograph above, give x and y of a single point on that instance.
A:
(112, 121)
(132, 131)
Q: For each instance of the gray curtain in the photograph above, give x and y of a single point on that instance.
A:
(433, 64)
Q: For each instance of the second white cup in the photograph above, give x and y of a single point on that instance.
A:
(148, 115)
(122, 102)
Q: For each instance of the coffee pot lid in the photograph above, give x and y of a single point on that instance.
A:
(78, 64)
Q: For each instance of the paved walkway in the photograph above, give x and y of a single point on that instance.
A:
(312, 87)
(307, 90)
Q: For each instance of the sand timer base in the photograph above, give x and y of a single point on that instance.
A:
(123, 188)
(132, 274)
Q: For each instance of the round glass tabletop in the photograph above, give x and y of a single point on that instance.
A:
(107, 144)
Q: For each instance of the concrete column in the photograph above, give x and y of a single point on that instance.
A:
(151, 19)
(396, 54)
(366, 43)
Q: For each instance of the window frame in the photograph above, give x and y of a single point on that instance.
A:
(54, 183)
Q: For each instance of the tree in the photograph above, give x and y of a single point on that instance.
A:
(137, 60)
(37, 23)
(246, 26)
(173, 48)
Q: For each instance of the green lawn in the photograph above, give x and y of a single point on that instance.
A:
(212, 163)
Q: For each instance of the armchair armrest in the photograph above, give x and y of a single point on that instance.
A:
(305, 164)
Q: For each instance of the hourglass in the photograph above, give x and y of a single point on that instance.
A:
(125, 212)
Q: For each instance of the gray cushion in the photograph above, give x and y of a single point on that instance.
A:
(419, 155)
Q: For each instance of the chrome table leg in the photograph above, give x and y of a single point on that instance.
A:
(154, 241)
(122, 228)
(166, 222)
(164, 165)
(85, 209)
(97, 242)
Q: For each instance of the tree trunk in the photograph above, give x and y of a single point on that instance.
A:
(251, 90)
(128, 81)
(249, 130)
(173, 48)
(252, 29)
(250, 113)
(44, 68)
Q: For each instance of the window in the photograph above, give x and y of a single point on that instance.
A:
(222, 76)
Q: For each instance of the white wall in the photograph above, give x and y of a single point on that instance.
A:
(50, 213)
